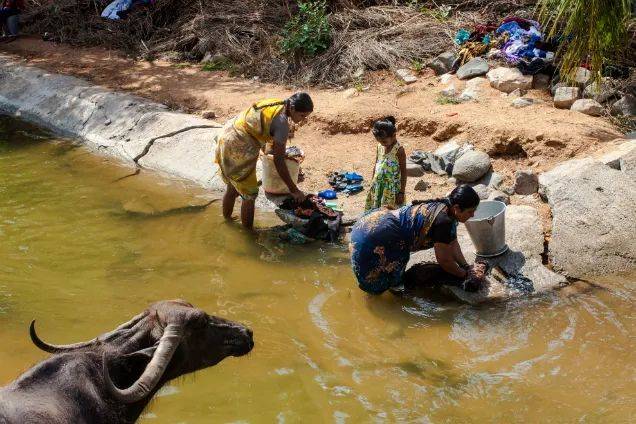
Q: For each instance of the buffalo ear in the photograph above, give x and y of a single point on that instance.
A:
(137, 360)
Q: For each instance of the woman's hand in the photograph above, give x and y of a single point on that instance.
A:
(298, 196)
(475, 278)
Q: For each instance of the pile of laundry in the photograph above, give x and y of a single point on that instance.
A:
(342, 182)
(309, 220)
(518, 41)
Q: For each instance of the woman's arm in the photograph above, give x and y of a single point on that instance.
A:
(458, 255)
(401, 155)
(445, 255)
(280, 131)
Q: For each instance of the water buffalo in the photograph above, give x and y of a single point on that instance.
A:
(112, 378)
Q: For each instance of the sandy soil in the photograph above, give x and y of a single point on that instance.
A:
(336, 137)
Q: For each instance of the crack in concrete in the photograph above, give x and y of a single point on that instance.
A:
(146, 150)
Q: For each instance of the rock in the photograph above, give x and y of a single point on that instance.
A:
(422, 185)
(499, 196)
(443, 63)
(588, 107)
(414, 169)
(626, 106)
(526, 182)
(492, 179)
(556, 86)
(405, 76)
(582, 76)
(448, 151)
(445, 79)
(518, 93)
(449, 91)
(471, 166)
(474, 68)
(476, 83)
(350, 93)
(208, 114)
(468, 95)
(482, 190)
(613, 158)
(565, 97)
(524, 236)
(541, 82)
(509, 79)
(522, 102)
(601, 92)
(594, 219)
(628, 164)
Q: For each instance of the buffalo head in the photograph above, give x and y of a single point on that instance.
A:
(169, 339)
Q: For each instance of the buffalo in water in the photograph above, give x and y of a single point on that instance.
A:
(112, 378)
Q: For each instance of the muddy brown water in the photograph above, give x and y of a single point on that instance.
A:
(81, 253)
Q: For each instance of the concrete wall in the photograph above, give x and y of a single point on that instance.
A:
(130, 128)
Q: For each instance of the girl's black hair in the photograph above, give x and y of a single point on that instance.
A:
(463, 196)
(301, 102)
(385, 127)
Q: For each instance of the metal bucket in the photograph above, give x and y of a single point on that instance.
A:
(487, 229)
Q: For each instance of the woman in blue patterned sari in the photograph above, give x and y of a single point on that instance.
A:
(382, 240)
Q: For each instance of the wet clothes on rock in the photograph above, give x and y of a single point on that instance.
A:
(386, 184)
(240, 142)
(382, 241)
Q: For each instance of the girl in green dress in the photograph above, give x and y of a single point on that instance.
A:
(389, 175)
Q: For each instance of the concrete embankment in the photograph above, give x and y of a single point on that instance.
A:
(130, 128)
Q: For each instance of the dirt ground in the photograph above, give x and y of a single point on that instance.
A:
(337, 137)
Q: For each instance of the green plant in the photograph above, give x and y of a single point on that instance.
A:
(181, 65)
(308, 32)
(441, 13)
(358, 85)
(219, 64)
(593, 31)
(447, 100)
(417, 65)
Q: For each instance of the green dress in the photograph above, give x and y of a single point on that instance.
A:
(386, 182)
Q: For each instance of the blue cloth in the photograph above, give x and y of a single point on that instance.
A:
(461, 37)
(353, 177)
(381, 243)
(328, 194)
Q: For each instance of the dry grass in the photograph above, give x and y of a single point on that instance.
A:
(368, 34)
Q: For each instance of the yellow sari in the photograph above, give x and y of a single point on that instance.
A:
(239, 144)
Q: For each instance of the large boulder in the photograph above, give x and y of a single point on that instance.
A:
(509, 79)
(474, 68)
(601, 92)
(628, 164)
(588, 106)
(471, 166)
(594, 219)
(626, 106)
(524, 236)
(565, 97)
(443, 63)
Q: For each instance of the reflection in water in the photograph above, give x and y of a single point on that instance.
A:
(75, 258)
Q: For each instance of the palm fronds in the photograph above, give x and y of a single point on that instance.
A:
(592, 32)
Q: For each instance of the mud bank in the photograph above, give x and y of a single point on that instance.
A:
(134, 130)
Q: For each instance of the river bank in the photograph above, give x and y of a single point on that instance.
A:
(148, 134)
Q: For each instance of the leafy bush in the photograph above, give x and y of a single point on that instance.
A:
(308, 32)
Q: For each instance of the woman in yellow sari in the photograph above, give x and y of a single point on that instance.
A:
(239, 145)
